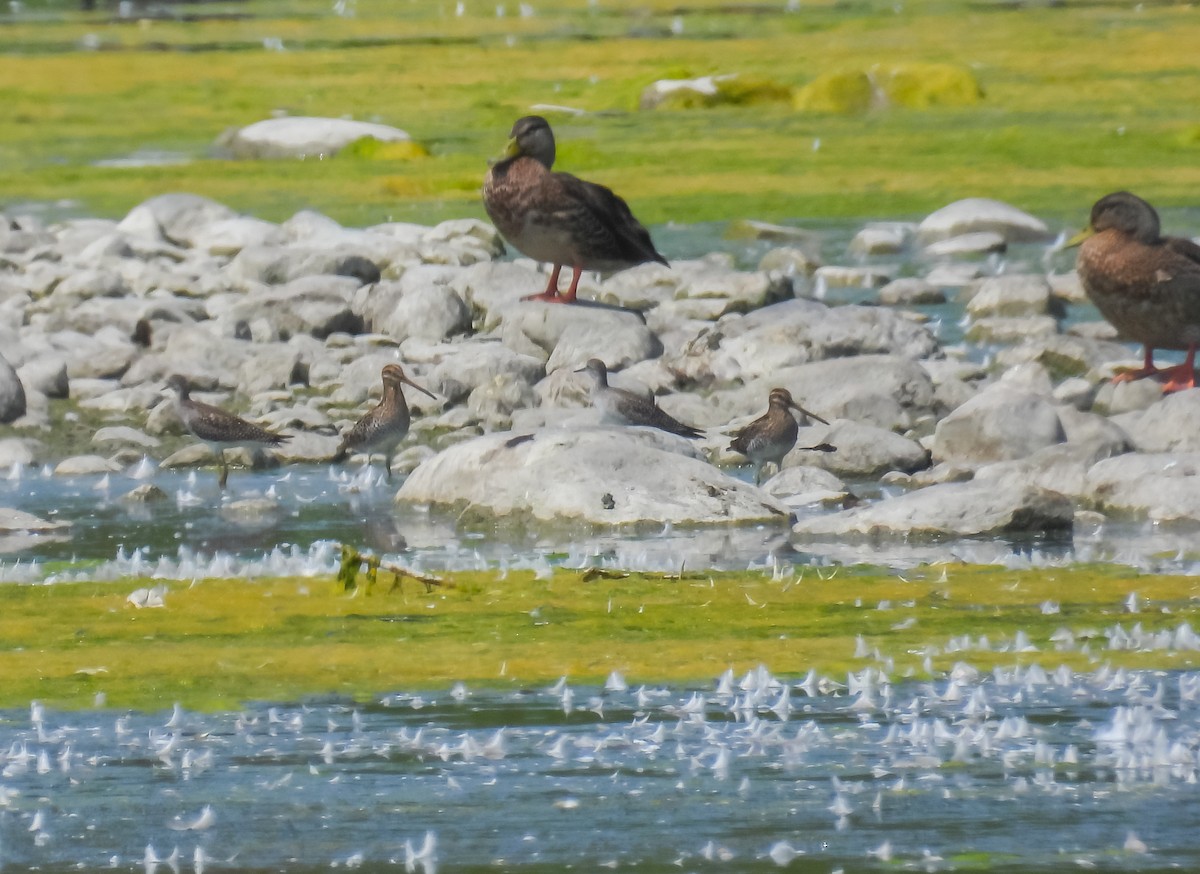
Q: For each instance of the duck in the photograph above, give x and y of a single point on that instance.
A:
(557, 218)
(772, 435)
(630, 408)
(383, 426)
(1146, 285)
(218, 428)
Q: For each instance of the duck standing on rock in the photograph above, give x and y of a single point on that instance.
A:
(216, 427)
(772, 435)
(630, 408)
(1146, 285)
(558, 218)
(385, 424)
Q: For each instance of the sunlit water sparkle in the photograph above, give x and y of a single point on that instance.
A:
(1022, 768)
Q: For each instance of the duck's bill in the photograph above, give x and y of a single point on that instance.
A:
(1078, 238)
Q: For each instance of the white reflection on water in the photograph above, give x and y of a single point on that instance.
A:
(1027, 767)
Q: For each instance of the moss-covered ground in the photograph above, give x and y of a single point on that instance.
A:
(219, 644)
(1080, 99)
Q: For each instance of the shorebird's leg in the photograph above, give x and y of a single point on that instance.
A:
(1181, 376)
(758, 468)
(224, 468)
(550, 295)
(1147, 369)
(387, 465)
(569, 297)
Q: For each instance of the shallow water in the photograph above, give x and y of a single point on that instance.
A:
(1022, 769)
(198, 531)
(1019, 770)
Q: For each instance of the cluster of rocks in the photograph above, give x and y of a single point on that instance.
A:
(845, 91)
(289, 324)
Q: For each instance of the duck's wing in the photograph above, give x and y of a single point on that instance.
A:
(601, 221)
(1185, 249)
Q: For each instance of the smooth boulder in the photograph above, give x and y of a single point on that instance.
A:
(967, 509)
(998, 424)
(595, 476)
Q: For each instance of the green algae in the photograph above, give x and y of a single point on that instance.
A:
(221, 643)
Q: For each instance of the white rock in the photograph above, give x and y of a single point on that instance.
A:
(174, 217)
(17, 521)
(792, 333)
(862, 450)
(884, 238)
(1013, 295)
(601, 476)
(997, 424)
(978, 243)
(305, 136)
(959, 509)
(1162, 486)
(85, 465)
(1170, 425)
(975, 214)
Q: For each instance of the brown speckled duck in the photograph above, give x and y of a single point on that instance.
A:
(558, 218)
(1146, 285)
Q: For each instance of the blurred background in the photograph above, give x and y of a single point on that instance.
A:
(780, 110)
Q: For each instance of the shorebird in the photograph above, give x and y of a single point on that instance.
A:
(772, 435)
(1146, 285)
(630, 408)
(216, 427)
(558, 218)
(385, 424)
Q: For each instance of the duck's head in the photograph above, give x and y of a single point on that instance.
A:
(1125, 213)
(531, 137)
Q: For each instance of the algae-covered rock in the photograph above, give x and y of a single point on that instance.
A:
(914, 86)
(706, 91)
(920, 86)
(843, 92)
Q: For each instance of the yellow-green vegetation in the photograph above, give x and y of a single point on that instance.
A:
(220, 643)
(921, 86)
(839, 92)
(1081, 99)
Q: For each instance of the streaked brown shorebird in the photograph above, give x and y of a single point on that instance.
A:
(772, 435)
(630, 408)
(385, 424)
(216, 427)
(1146, 285)
(558, 218)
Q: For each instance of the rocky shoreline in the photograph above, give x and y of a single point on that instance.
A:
(290, 324)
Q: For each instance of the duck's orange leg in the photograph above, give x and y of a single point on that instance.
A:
(550, 295)
(1147, 369)
(569, 296)
(1181, 376)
